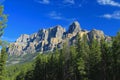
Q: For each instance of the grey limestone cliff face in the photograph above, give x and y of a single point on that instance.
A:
(23, 38)
(74, 27)
(43, 40)
(96, 34)
(49, 39)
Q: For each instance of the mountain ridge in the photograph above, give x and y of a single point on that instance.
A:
(51, 38)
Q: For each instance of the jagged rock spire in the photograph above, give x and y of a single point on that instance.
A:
(74, 27)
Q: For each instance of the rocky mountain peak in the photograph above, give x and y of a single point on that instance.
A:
(54, 32)
(58, 27)
(23, 38)
(96, 34)
(51, 38)
(74, 27)
(58, 30)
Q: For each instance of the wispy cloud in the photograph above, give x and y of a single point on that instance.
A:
(55, 15)
(115, 15)
(43, 1)
(69, 1)
(109, 2)
(58, 16)
(62, 3)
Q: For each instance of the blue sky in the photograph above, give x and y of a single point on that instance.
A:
(28, 16)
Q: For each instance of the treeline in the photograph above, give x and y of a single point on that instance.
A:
(94, 60)
(14, 70)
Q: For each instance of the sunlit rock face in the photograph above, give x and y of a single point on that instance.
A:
(74, 28)
(51, 38)
(96, 34)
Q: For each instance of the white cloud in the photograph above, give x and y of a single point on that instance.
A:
(109, 2)
(44, 1)
(108, 16)
(58, 16)
(69, 1)
(55, 15)
(115, 15)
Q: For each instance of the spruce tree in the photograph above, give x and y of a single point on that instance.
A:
(82, 50)
(105, 61)
(94, 60)
(3, 19)
(116, 57)
(2, 63)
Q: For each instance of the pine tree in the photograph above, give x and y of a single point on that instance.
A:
(94, 60)
(39, 68)
(72, 67)
(116, 57)
(63, 57)
(21, 76)
(2, 63)
(82, 50)
(3, 19)
(105, 60)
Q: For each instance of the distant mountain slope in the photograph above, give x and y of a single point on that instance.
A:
(49, 39)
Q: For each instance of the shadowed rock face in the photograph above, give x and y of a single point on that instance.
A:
(74, 27)
(49, 39)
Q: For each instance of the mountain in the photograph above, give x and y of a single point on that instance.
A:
(49, 39)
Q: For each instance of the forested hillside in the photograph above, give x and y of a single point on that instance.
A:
(56, 54)
(95, 60)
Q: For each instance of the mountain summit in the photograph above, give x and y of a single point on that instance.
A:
(51, 38)
(74, 27)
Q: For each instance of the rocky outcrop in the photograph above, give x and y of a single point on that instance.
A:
(96, 34)
(23, 38)
(74, 28)
(49, 39)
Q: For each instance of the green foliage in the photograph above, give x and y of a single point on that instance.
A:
(15, 59)
(2, 63)
(96, 60)
(82, 50)
(3, 20)
(105, 61)
(116, 57)
(15, 70)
